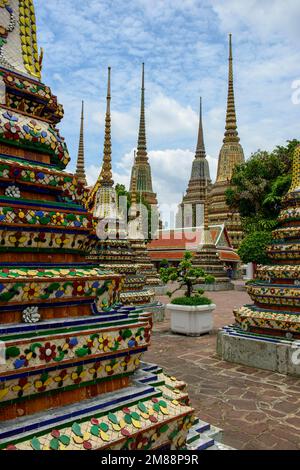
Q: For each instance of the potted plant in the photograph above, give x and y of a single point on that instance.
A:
(191, 314)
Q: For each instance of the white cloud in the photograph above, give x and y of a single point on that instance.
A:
(265, 18)
(184, 46)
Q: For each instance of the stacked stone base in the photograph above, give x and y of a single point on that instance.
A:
(260, 351)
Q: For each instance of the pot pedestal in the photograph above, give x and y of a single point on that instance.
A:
(191, 321)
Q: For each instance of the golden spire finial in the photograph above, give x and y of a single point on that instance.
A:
(142, 143)
(200, 150)
(80, 171)
(231, 133)
(106, 172)
(295, 185)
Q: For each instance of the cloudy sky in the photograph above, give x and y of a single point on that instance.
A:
(184, 44)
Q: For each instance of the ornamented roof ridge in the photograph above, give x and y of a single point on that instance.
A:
(80, 170)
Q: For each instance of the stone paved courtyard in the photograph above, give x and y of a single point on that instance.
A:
(256, 409)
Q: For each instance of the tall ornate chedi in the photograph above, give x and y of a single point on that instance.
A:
(80, 170)
(276, 288)
(71, 351)
(141, 164)
(265, 331)
(109, 245)
(231, 154)
(191, 210)
(207, 258)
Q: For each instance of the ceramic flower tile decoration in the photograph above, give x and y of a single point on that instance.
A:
(23, 131)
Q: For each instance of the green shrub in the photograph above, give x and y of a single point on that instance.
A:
(191, 301)
(253, 248)
(209, 279)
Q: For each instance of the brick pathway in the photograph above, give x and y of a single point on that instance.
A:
(256, 409)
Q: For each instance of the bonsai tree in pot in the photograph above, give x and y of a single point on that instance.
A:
(187, 276)
(192, 313)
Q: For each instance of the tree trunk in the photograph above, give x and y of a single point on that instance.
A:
(189, 289)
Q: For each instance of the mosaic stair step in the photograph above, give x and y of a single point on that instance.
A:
(204, 444)
(102, 422)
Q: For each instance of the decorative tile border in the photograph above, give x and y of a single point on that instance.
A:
(23, 131)
(104, 289)
(17, 171)
(278, 272)
(43, 240)
(43, 217)
(271, 294)
(46, 350)
(39, 100)
(67, 377)
(247, 318)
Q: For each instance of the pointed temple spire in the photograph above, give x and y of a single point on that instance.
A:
(190, 210)
(80, 171)
(142, 143)
(231, 133)
(231, 152)
(106, 172)
(200, 150)
(141, 162)
(231, 155)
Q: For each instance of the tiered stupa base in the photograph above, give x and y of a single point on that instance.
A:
(208, 260)
(57, 375)
(116, 255)
(219, 213)
(145, 266)
(267, 332)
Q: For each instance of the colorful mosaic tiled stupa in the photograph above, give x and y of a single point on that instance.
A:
(71, 351)
(276, 288)
(231, 154)
(207, 258)
(109, 244)
(191, 210)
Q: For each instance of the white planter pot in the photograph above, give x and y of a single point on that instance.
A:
(191, 321)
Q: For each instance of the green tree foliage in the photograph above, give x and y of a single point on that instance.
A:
(253, 247)
(164, 263)
(258, 186)
(186, 275)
